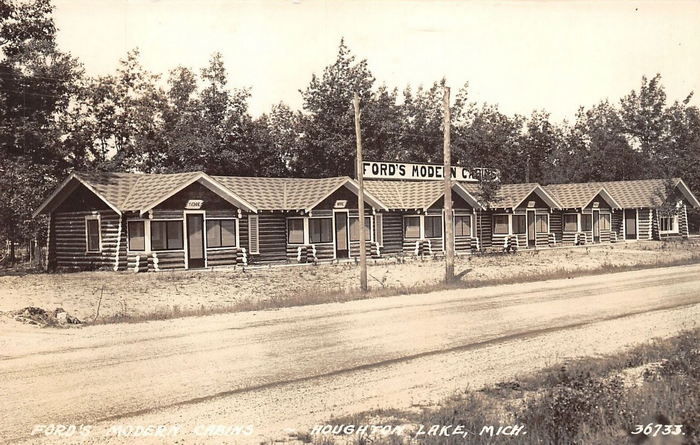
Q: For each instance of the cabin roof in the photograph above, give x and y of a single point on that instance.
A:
(510, 196)
(141, 192)
(399, 195)
(574, 196)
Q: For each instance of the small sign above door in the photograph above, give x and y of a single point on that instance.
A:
(194, 204)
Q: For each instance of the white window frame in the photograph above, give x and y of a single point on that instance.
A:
(146, 235)
(674, 224)
(578, 222)
(420, 227)
(228, 218)
(371, 228)
(471, 223)
(184, 233)
(510, 224)
(305, 231)
(95, 217)
(549, 228)
(442, 226)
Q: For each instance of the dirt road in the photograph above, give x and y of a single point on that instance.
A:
(291, 368)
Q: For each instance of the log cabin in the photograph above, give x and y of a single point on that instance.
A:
(153, 222)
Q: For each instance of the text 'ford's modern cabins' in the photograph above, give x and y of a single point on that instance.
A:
(142, 222)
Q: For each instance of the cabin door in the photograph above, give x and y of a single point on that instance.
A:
(195, 241)
(341, 235)
(630, 224)
(596, 226)
(531, 236)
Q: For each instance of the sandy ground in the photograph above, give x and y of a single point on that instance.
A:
(287, 369)
(133, 294)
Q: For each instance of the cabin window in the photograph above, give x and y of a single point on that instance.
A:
(320, 230)
(463, 225)
(166, 235)
(500, 224)
(411, 227)
(92, 233)
(295, 231)
(604, 221)
(433, 226)
(519, 224)
(355, 231)
(571, 222)
(668, 224)
(586, 222)
(542, 223)
(221, 233)
(137, 237)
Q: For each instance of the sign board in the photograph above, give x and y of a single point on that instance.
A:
(404, 171)
(194, 204)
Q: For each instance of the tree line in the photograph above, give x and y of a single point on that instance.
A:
(54, 118)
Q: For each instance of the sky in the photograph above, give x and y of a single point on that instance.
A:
(521, 55)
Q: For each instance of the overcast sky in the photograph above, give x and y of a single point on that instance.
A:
(522, 55)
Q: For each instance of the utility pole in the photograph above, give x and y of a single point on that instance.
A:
(449, 238)
(360, 196)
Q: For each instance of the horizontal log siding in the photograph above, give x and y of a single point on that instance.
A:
(616, 224)
(371, 249)
(170, 260)
(122, 264)
(644, 221)
(71, 244)
(392, 231)
(273, 238)
(167, 214)
(483, 229)
(225, 257)
(555, 225)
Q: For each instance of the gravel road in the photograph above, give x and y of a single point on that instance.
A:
(291, 368)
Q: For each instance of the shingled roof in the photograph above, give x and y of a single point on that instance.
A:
(141, 192)
(575, 196)
(510, 196)
(413, 194)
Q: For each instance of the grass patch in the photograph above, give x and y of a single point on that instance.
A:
(322, 296)
(590, 400)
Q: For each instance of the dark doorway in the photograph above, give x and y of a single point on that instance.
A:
(341, 235)
(195, 241)
(596, 226)
(630, 224)
(531, 234)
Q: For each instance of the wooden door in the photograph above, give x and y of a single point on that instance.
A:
(630, 224)
(531, 232)
(341, 235)
(596, 226)
(195, 241)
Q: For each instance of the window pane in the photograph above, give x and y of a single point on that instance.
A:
(586, 222)
(541, 223)
(463, 226)
(320, 230)
(570, 223)
(500, 224)
(137, 240)
(411, 227)
(174, 234)
(295, 231)
(157, 235)
(519, 225)
(355, 234)
(433, 226)
(605, 222)
(213, 234)
(93, 235)
(228, 233)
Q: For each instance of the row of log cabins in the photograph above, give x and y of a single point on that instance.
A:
(142, 222)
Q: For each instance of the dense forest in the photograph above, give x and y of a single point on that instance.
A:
(54, 118)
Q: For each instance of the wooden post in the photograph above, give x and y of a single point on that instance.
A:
(360, 196)
(449, 238)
